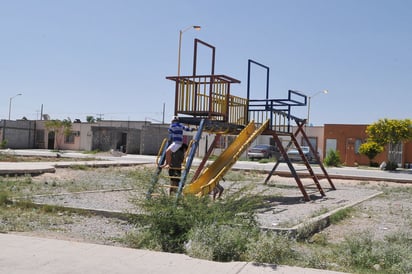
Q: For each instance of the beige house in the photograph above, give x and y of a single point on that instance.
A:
(134, 137)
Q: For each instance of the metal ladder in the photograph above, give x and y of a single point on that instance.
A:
(192, 148)
(308, 167)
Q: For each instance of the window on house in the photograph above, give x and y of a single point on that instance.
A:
(69, 139)
(331, 144)
(358, 143)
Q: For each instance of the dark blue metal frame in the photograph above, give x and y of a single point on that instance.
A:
(190, 158)
(282, 105)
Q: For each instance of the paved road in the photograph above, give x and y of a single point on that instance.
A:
(402, 176)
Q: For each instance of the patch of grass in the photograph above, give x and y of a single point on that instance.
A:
(91, 151)
(319, 212)
(236, 176)
(17, 186)
(79, 167)
(362, 254)
(24, 217)
(5, 157)
(359, 253)
(266, 160)
(319, 239)
(241, 175)
(308, 229)
(4, 198)
(341, 215)
(397, 190)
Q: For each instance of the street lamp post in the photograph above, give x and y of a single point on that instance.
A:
(180, 45)
(11, 98)
(309, 98)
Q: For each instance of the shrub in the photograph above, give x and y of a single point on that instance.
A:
(370, 149)
(3, 144)
(332, 158)
(317, 258)
(142, 238)
(270, 247)
(170, 222)
(222, 242)
(319, 239)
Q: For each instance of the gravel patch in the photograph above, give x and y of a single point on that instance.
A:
(110, 189)
(92, 229)
(284, 206)
(105, 200)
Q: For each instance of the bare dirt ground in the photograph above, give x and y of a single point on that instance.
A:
(383, 215)
(386, 213)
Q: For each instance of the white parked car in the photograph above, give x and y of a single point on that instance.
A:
(293, 154)
(262, 151)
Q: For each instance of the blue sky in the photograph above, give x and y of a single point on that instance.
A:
(109, 59)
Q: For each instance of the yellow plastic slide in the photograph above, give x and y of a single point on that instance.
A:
(215, 172)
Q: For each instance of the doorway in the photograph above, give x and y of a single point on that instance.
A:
(50, 139)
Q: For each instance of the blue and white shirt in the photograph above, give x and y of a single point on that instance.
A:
(176, 132)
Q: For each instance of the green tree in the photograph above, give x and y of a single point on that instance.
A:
(90, 119)
(370, 149)
(60, 128)
(390, 132)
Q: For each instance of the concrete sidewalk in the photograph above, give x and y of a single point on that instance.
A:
(351, 173)
(22, 254)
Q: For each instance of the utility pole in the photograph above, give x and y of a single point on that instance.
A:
(163, 113)
(99, 116)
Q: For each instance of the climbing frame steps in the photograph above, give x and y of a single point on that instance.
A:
(283, 150)
(193, 146)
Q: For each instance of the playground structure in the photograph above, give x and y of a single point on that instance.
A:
(205, 101)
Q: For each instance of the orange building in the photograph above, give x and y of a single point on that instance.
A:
(346, 139)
